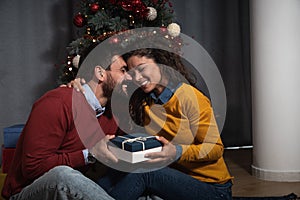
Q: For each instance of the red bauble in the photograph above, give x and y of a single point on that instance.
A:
(78, 20)
(136, 2)
(126, 6)
(136, 6)
(94, 7)
(130, 5)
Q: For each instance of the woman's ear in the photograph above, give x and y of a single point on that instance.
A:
(99, 73)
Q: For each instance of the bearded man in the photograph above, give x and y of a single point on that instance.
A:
(65, 132)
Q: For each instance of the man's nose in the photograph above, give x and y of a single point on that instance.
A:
(128, 77)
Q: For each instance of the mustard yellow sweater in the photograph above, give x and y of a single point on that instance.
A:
(187, 119)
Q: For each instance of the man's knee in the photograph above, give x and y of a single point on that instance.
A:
(62, 173)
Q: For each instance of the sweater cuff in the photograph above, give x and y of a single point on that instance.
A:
(178, 152)
(85, 155)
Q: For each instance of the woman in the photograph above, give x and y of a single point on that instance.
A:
(167, 106)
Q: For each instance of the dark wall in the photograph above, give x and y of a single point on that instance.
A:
(222, 28)
(33, 38)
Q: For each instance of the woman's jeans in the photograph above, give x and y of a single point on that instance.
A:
(167, 183)
(62, 183)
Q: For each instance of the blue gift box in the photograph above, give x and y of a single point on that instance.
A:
(11, 135)
(135, 143)
(132, 148)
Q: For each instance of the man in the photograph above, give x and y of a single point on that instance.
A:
(60, 141)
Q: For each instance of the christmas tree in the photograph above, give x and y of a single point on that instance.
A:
(98, 20)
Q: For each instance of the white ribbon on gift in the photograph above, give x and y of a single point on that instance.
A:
(137, 139)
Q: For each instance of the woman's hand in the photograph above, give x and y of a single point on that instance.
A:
(166, 156)
(77, 84)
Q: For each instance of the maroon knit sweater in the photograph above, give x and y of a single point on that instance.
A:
(61, 124)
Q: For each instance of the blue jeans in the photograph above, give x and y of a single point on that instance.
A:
(167, 183)
(62, 183)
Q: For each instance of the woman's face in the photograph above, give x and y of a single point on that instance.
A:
(145, 73)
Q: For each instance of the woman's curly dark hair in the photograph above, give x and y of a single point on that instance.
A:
(171, 67)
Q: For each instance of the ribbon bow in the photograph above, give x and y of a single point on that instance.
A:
(137, 139)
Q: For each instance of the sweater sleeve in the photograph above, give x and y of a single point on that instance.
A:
(46, 131)
(207, 145)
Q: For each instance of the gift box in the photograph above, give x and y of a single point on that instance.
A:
(7, 157)
(11, 135)
(132, 148)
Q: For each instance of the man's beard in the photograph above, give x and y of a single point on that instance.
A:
(108, 86)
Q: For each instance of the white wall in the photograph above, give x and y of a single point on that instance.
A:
(275, 51)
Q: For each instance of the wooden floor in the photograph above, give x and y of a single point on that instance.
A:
(239, 163)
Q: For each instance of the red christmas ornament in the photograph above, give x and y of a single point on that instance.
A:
(141, 9)
(78, 20)
(94, 7)
(136, 2)
(136, 6)
(127, 6)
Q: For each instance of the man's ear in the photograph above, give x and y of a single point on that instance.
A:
(99, 73)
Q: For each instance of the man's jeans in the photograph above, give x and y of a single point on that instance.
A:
(62, 183)
(166, 183)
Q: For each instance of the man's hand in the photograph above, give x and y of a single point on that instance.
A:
(166, 156)
(101, 151)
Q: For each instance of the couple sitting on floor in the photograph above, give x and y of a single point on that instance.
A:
(62, 138)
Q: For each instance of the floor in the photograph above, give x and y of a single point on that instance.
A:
(239, 163)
